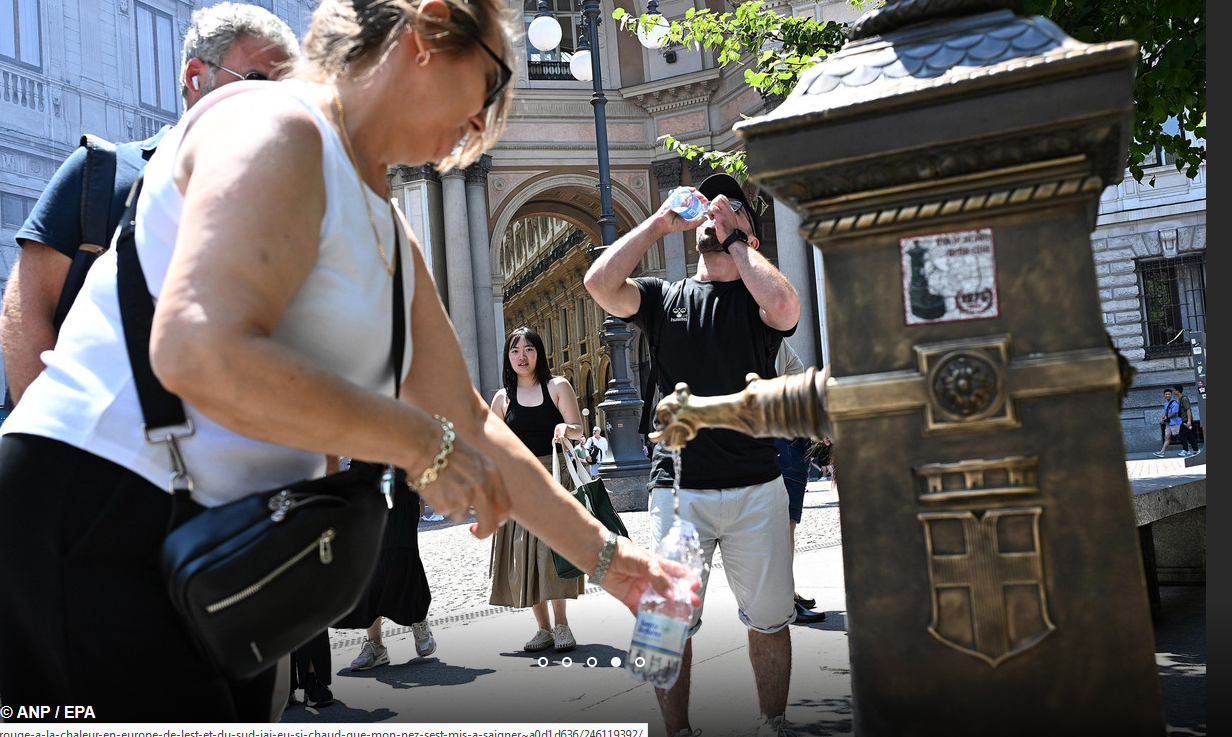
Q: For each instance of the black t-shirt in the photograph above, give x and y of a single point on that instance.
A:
(709, 335)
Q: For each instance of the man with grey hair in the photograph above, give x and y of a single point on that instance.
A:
(225, 43)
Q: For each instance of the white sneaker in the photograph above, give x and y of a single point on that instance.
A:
(562, 638)
(541, 641)
(372, 655)
(425, 643)
(776, 727)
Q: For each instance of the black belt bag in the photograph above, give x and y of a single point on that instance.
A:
(239, 573)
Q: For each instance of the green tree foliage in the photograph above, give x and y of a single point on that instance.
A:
(1170, 84)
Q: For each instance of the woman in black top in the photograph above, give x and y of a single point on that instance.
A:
(540, 409)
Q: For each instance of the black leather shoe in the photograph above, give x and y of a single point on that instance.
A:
(317, 694)
(805, 616)
(806, 603)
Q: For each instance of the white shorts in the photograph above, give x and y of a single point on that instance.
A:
(750, 523)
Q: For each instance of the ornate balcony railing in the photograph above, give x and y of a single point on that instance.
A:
(23, 90)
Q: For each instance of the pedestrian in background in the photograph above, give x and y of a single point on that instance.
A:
(540, 409)
(795, 465)
(1188, 436)
(821, 455)
(1171, 420)
(596, 449)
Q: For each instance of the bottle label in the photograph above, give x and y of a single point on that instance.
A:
(685, 203)
(660, 634)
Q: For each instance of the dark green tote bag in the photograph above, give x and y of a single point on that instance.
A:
(592, 494)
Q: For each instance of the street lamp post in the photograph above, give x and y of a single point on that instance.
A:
(622, 406)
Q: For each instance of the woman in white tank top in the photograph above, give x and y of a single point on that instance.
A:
(266, 233)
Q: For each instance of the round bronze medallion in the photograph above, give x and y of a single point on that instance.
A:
(966, 385)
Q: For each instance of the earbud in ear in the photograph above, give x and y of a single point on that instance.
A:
(196, 83)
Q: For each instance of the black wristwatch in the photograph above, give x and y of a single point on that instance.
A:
(736, 235)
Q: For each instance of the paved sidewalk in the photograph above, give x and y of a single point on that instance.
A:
(480, 674)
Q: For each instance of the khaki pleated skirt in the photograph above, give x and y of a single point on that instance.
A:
(522, 570)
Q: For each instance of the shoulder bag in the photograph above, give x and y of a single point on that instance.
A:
(592, 494)
(237, 573)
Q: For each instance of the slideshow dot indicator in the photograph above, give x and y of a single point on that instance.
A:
(615, 662)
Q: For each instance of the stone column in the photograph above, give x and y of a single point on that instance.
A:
(668, 173)
(994, 579)
(481, 266)
(458, 265)
(794, 262)
(419, 188)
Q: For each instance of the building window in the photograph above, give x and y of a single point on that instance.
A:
(553, 64)
(19, 32)
(1173, 301)
(14, 209)
(157, 68)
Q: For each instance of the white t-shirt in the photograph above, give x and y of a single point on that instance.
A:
(603, 452)
(341, 317)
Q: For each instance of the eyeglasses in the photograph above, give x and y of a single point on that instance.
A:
(502, 82)
(736, 205)
(251, 76)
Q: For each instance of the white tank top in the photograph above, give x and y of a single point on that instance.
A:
(341, 317)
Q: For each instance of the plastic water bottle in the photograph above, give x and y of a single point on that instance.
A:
(685, 203)
(663, 624)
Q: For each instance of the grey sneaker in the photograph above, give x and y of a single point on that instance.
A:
(562, 638)
(372, 655)
(425, 643)
(776, 727)
(541, 641)
(1158, 454)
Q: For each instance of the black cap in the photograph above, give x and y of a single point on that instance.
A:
(725, 184)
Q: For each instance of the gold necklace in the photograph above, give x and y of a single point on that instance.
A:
(346, 140)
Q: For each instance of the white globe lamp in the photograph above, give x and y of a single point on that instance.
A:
(579, 66)
(544, 33)
(655, 36)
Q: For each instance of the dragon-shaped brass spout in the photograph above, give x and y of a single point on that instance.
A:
(791, 406)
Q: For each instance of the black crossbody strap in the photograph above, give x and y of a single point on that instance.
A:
(159, 407)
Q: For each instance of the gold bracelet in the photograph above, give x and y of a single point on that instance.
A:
(442, 458)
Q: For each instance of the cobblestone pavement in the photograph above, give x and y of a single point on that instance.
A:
(457, 563)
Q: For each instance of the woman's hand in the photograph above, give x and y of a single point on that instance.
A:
(561, 431)
(633, 570)
(469, 481)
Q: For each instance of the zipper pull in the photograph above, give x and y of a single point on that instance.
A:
(387, 485)
(324, 549)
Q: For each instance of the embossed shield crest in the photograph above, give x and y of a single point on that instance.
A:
(988, 590)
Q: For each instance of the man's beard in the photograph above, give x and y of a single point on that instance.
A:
(708, 240)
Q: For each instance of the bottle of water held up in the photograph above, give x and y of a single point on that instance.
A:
(685, 203)
(663, 624)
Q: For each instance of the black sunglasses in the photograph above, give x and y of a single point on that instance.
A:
(251, 76)
(502, 82)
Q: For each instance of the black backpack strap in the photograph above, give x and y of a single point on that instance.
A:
(97, 188)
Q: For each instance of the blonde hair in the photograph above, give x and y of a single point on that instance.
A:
(354, 37)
